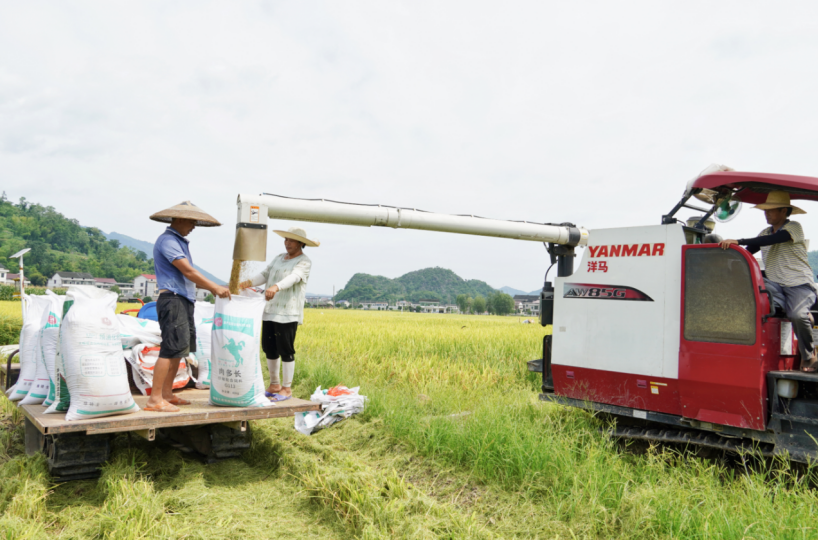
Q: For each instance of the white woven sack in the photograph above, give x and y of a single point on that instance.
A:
(91, 352)
(61, 398)
(143, 359)
(50, 344)
(203, 318)
(134, 331)
(236, 379)
(29, 346)
(47, 346)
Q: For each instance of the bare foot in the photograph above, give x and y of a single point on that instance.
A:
(285, 391)
(161, 406)
(274, 388)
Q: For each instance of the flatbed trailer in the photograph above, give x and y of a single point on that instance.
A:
(77, 449)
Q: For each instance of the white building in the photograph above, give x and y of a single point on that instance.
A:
(439, 308)
(104, 283)
(375, 306)
(527, 304)
(145, 285)
(4, 280)
(343, 304)
(62, 280)
(201, 294)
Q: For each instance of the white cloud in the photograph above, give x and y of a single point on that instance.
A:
(592, 112)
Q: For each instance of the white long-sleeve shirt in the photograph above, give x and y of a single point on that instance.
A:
(291, 276)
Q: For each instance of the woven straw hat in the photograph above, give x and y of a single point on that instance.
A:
(297, 233)
(186, 210)
(778, 199)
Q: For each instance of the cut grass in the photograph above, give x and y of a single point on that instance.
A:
(454, 444)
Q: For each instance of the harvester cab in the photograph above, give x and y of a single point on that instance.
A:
(657, 326)
(663, 328)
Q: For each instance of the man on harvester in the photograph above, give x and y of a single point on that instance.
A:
(176, 280)
(788, 273)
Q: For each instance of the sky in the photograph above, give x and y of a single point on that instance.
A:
(596, 113)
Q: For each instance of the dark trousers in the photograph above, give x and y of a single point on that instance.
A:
(278, 339)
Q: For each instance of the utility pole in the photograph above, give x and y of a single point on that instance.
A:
(19, 255)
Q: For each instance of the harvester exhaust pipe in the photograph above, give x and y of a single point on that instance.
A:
(251, 228)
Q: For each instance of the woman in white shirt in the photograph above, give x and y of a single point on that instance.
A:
(286, 281)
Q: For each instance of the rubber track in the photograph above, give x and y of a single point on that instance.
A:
(698, 438)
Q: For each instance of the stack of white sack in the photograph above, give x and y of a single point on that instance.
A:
(46, 349)
(29, 345)
(344, 403)
(203, 318)
(90, 362)
(143, 359)
(236, 378)
(134, 331)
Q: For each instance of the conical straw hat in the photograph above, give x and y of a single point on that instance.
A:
(778, 199)
(186, 210)
(299, 234)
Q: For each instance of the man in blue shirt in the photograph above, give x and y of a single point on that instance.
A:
(176, 280)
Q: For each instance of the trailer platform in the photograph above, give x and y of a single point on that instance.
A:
(77, 449)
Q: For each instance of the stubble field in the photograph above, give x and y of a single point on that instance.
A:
(454, 444)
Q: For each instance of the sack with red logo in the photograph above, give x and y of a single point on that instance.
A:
(143, 359)
(49, 334)
(91, 363)
(29, 346)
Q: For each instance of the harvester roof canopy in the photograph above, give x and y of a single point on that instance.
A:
(752, 188)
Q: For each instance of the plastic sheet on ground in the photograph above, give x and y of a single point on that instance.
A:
(336, 404)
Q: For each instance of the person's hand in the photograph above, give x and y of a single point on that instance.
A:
(725, 244)
(221, 292)
(245, 284)
(271, 292)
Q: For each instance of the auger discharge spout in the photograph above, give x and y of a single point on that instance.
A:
(251, 228)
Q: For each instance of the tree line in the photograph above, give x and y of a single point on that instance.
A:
(60, 244)
(497, 303)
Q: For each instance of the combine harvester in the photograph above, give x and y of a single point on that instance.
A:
(658, 326)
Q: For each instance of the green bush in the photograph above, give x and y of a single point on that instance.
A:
(6, 292)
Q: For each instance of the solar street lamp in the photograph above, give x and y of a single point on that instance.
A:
(19, 255)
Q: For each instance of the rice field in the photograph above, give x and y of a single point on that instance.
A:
(454, 444)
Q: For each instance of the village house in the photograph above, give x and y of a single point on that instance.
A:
(15, 279)
(375, 306)
(62, 280)
(145, 285)
(104, 283)
(319, 300)
(527, 304)
(437, 307)
(4, 277)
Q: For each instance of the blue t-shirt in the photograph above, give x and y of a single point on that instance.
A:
(169, 247)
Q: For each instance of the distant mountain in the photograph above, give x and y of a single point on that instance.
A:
(147, 249)
(511, 291)
(428, 284)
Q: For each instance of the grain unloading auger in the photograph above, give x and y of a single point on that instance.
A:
(253, 210)
(658, 327)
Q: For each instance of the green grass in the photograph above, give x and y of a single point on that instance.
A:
(454, 444)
